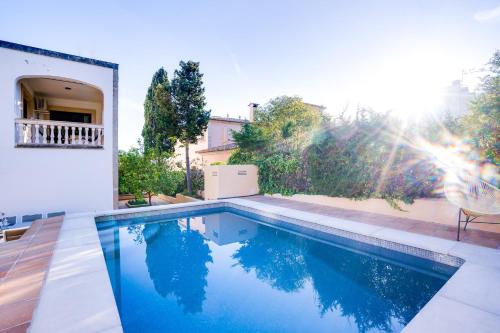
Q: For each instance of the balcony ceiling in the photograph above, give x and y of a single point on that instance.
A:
(56, 88)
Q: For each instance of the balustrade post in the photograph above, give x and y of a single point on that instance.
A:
(59, 134)
(28, 133)
(25, 133)
(66, 134)
(44, 140)
(19, 134)
(52, 133)
(98, 136)
(37, 134)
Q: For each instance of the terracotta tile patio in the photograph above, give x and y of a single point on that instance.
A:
(23, 266)
(478, 237)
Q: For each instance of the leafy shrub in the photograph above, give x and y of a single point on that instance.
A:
(137, 202)
(238, 156)
(362, 160)
(197, 178)
(282, 172)
(150, 172)
(172, 182)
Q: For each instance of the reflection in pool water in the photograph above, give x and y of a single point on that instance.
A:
(222, 272)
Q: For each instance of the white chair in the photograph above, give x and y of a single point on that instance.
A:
(473, 196)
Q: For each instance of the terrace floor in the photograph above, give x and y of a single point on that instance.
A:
(23, 266)
(477, 237)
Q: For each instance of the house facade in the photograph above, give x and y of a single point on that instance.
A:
(216, 144)
(58, 132)
(219, 143)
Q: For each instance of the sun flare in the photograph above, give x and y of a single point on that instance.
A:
(410, 83)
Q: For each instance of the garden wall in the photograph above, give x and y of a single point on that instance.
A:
(226, 181)
(437, 210)
(179, 198)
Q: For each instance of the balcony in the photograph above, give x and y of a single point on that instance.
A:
(58, 134)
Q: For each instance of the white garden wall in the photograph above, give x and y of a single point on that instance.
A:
(228, 181)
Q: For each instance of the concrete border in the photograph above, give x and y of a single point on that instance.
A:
(77, 294)
(469, 301)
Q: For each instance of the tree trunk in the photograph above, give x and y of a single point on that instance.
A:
(149, 197)
(188, 169)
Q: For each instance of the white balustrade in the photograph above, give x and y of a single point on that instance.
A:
(31, 132)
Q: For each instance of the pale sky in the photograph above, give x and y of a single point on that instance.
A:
(381, 54)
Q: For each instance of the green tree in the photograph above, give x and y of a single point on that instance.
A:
(284, 124)
(147, 172)
(160, 130)
(482, 124)
(191, 118)
(251, 142)
(132, 172)
(288, 120)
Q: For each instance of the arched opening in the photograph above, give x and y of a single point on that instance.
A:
(60, 99)
(58, 111)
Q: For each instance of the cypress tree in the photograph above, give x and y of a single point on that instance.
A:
(160, 130)
(189, 102)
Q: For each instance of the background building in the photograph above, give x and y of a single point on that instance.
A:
(216, 144)
(456, 99)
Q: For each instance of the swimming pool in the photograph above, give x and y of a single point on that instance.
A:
(227, 270)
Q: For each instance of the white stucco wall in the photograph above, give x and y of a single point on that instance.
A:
(228, 181)
(42, 180)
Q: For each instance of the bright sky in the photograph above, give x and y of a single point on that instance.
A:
(370, 53)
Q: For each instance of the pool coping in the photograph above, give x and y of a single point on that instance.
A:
(77, 294)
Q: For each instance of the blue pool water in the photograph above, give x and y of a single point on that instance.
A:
(222, 270)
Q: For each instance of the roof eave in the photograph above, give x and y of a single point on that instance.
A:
(55, 54)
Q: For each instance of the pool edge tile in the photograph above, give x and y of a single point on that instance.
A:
(441, 314)
(58, 301)
(467, 286)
